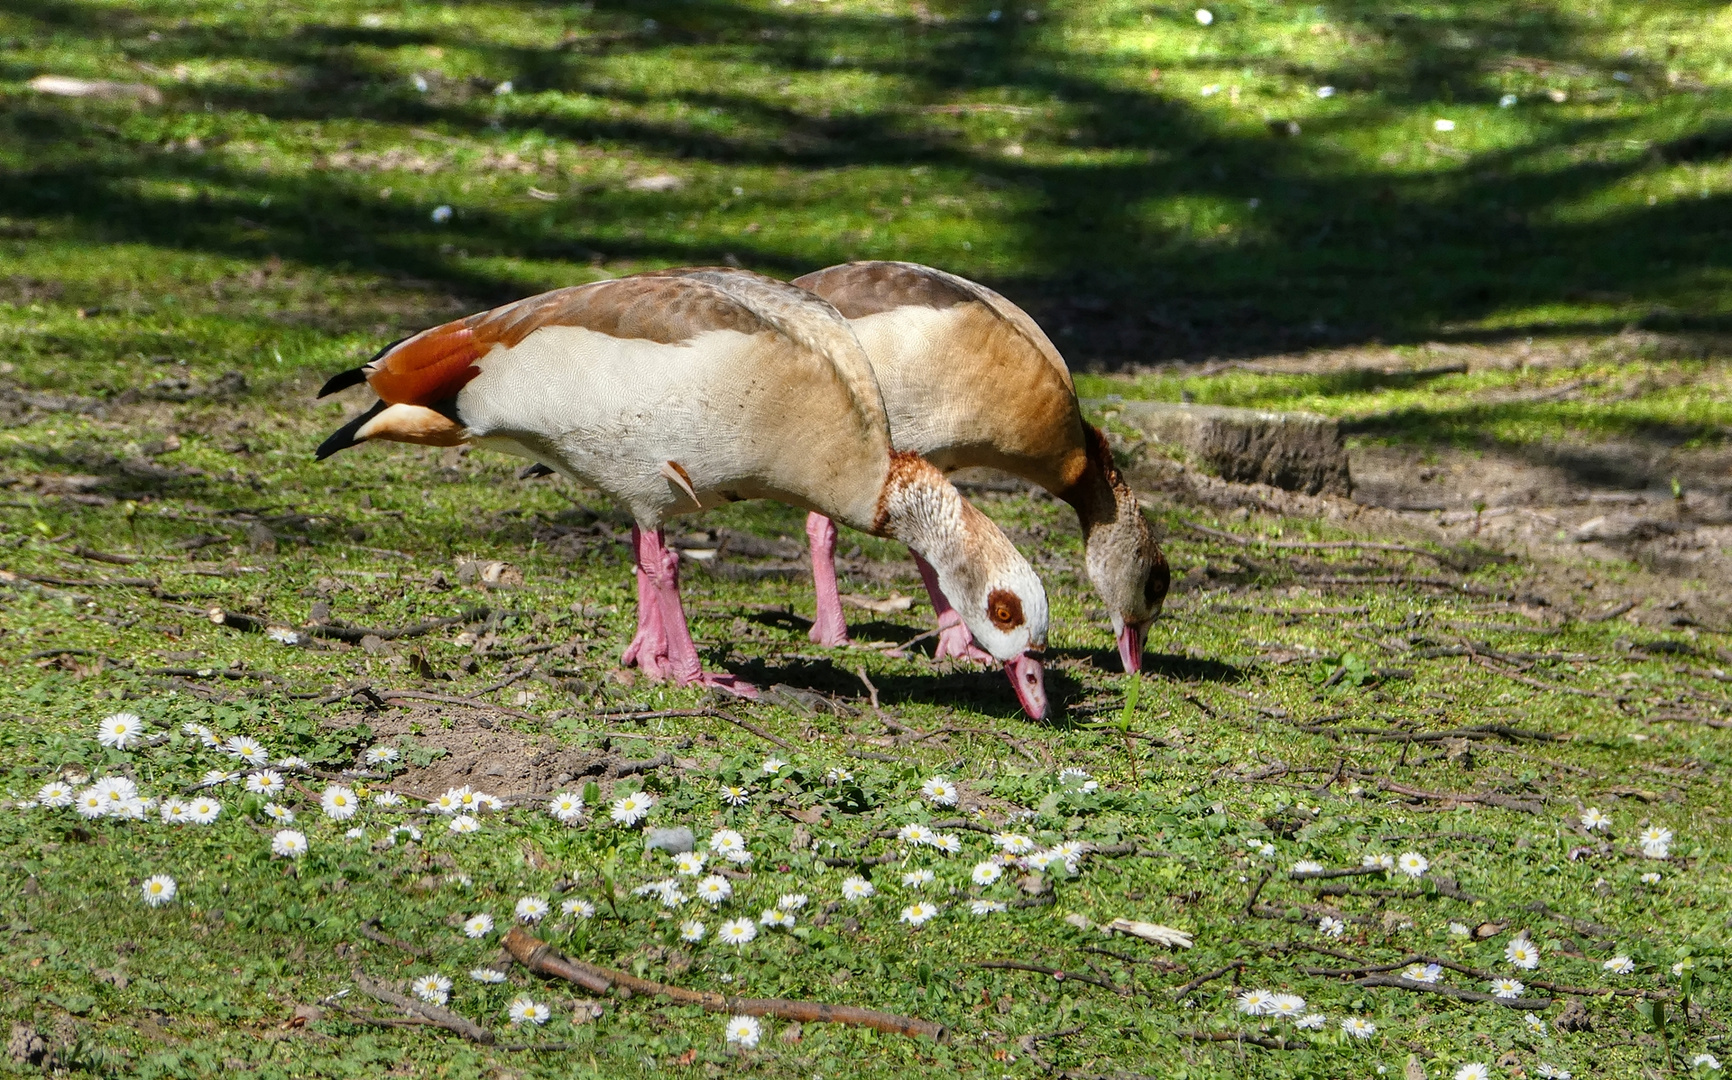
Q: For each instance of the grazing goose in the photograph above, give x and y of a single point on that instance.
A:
(682, 390)
(968, 379)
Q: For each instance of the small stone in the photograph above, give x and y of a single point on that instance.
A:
(675, 841)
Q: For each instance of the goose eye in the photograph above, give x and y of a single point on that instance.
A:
(1155, 586)
(1004, 608)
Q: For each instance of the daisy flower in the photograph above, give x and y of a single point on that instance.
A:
(115, 790)
(734, 795)
(462, 824)
(917, 879)
(652, 888)
(91, 804)
(1522, 953)
(791, 901)
(1074, 777)
(1382, 862)
(478, 926)
(744, 1031)
(737, 932)
(402, 830)
(294, 761)
(1656, 841)
(692, 931)
(632, 808)
(248, 749)
(947, 843)
(1619, 965)
(1709, 1060)
(738, 856)
(1459, 929)
(264, 782)
(357, 833)
(1255, 1002)
(1287, 1006)
(689, 863)
(1507, 988)
(919, 914)
(577, 907)
(280, 814)
(565, 807)
(132, 809)
(838, 775)
(1330, 926)
(1071, 853)
(213, 777)
(435, 988)
(986, 907)
(986, 873)
(203, 811)
(487, 975)
(120, 730)
(1413, 864)
(339, 803)
(1306, 866)
(776, 917)
(1042, 861)
(1594, 818)
(1310, 1021)
(379, 755)
(1536, 1026)
(532, 909)
(1473, 1070)
(476, 801)
(939, 791)
(1357, 1027)
(723, 841)
(448, 803)
(1422, 973)
(174, 811)
(856, 888)
(159, 890)
(915, 833)
(56, 793)
(1013, 843)
(1650, 878)
(203, 734)
(1545, 1070)
(289, 844)
(387, 798)
(525, 1011)
(714, 890)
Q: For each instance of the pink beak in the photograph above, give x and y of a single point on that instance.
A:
(1026, 675)
(1131, 640)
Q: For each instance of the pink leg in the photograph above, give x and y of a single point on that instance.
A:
(649, 647)
(953, 636)
(660, 567)
(829, 628)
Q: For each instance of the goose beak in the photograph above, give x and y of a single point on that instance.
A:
(1131, 640)
(1030, 683)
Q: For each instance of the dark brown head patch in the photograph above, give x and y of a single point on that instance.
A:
(859, 289)
(1004, 608)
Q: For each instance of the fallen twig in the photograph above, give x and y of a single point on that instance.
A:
(1057, 973)
(1267, 1042)
(1529, 1004)
(370, 930)
(444, 1018)
(539, 957)
(1210, 977)
(1319, 545)
(453, 699)
(740, 721)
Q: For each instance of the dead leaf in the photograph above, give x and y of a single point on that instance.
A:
(1415, 1071)
(792, 1033)
(893, 604)
(1155, 932)
(1489, 929)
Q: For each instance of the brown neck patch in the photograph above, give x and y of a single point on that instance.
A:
(1004, 608)
(905, 468)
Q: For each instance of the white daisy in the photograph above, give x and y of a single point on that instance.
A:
(357, 833)
(986, 907)
(856, 888)
(1013, 843)
(203, 811)
(525, 1011)
(213, 777)
(1358, 1027)
(1413, 864)
(532, 909)
(1306, 866)
(917, 879)
(478, 926)
(448, 803)
(248, 749)
(692, 931)
(435, 988)
(1473, 1070)
(487, 975)
(1330, 926)
(1545, 1070)
(738, 856)
(1458, 929)
(120, 730)
(294, 761)
(1656, 841)
(478, 801)
(1042, 861)
(1077, 779)
(566, 807)
(91, 804)
(578, 907)
(159, 890)
(631, 809)
(203, 734)
(1311, 1021)
(1522, 953)
(947, 843)
(1620, 965)
(380, 755)
(776, 917)
(402, 830)
(986, 873)
(1255, 1002)
(915, 833)
(264, 782)
(1507, 988)
(714, 890)
(339, 803)
(289, 844)
(1650, 878)
(174, 811)
(1708, 1060)
(115, 791)
(1382, 862)
(132, 809)
(56, 793)
(723, 841)
(462, 824)
(1594, 818)
(737, 932)
(1287, 1006)
(838, 775)
(744, 1031)
(791, 901)
(689, 863)
(1536, 1026)
(734, 795)
(939, 791)
(1422, 973)
(774, 765)
(387, 798)
(918, 914)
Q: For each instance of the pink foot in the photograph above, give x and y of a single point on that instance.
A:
(663, 647)
(829, 628)
(954, 640)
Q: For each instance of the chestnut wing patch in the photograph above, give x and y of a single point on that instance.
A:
(1004, 608)
(860, 289)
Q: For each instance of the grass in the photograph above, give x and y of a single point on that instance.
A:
(273, 217)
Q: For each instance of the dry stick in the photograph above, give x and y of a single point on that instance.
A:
(542, 959)
(1267, 1042)
(1527, 681)
(872, 692)
(1210, 977)
(1504, 802)
(655, 714)
(1257, 890)
(1529, 1004)
(445, 1018)
(1300, 545)
(370, 930)
(1346, 871)
(740, 721)
(1057, 973)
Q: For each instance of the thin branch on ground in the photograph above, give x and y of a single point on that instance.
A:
(444, 1018)
(1180, 992)
(1057, 973)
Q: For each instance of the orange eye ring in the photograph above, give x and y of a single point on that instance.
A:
(1004, 608)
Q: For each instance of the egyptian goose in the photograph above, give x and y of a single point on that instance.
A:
(969, 379)
(681, 390)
